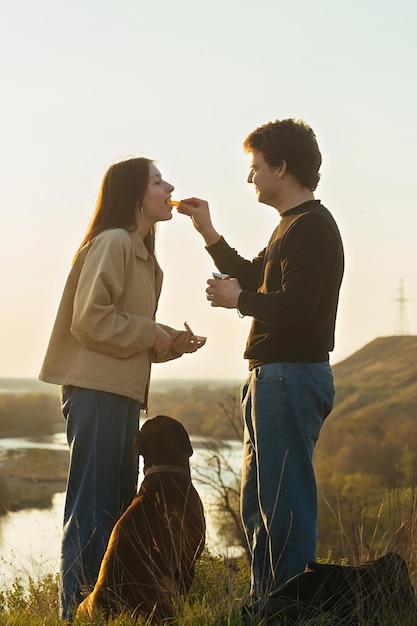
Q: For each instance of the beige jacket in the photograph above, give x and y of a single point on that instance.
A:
(104, 329)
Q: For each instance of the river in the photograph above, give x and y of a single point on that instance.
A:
(30, 539)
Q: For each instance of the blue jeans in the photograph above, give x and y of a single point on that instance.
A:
(284, 406)
(102, 481)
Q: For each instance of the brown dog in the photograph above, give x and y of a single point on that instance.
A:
(149, 563)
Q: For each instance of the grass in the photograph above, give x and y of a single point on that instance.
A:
(216, 595)
(218, 592)
(220, 588)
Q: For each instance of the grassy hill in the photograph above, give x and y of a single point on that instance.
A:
(386, 360)
(379, 382)
(375, 412)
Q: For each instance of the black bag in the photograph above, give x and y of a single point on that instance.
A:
(375, 593)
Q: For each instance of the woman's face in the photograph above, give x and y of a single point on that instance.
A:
(154, 204)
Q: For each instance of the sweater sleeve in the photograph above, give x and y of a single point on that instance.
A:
(97, 322)
(307, 253)
(228, 261)
(171, 354)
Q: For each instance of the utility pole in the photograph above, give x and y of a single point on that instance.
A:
(401, 328)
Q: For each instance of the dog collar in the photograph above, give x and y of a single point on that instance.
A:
(157, 469)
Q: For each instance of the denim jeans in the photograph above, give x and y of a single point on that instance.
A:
(284, 405)
(102, 481)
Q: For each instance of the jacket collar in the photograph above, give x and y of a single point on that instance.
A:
(138, 245)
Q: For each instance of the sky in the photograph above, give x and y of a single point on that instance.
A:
(88, 82)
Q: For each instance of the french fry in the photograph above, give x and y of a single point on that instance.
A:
(173, 202)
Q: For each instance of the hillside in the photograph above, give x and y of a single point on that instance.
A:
(382, 374)
(375, 412)
(390, 360)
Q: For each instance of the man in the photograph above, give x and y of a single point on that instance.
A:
(291, 291)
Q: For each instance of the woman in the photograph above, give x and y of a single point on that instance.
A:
(100, 352)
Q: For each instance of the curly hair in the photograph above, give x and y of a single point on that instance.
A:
(291, 141)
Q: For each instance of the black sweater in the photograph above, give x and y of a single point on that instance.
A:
(291, 289)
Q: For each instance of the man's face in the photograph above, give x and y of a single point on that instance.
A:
(265, 179)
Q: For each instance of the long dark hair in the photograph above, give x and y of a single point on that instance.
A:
(123, 186)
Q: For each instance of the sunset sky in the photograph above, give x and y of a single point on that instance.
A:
(87, 82)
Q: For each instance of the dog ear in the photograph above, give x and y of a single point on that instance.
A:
(183, 440)
(139, 444)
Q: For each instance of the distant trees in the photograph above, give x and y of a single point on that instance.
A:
(199, 409)
(31, 414)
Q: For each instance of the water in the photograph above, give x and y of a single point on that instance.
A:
(30, 543)
(54, 442)
(30, 539)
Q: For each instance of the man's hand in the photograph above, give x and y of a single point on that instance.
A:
(224, 293)
(199, 212)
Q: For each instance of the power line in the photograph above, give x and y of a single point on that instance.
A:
(401, 327)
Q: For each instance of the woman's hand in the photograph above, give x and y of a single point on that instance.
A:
(162, 343)
(186, 341)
